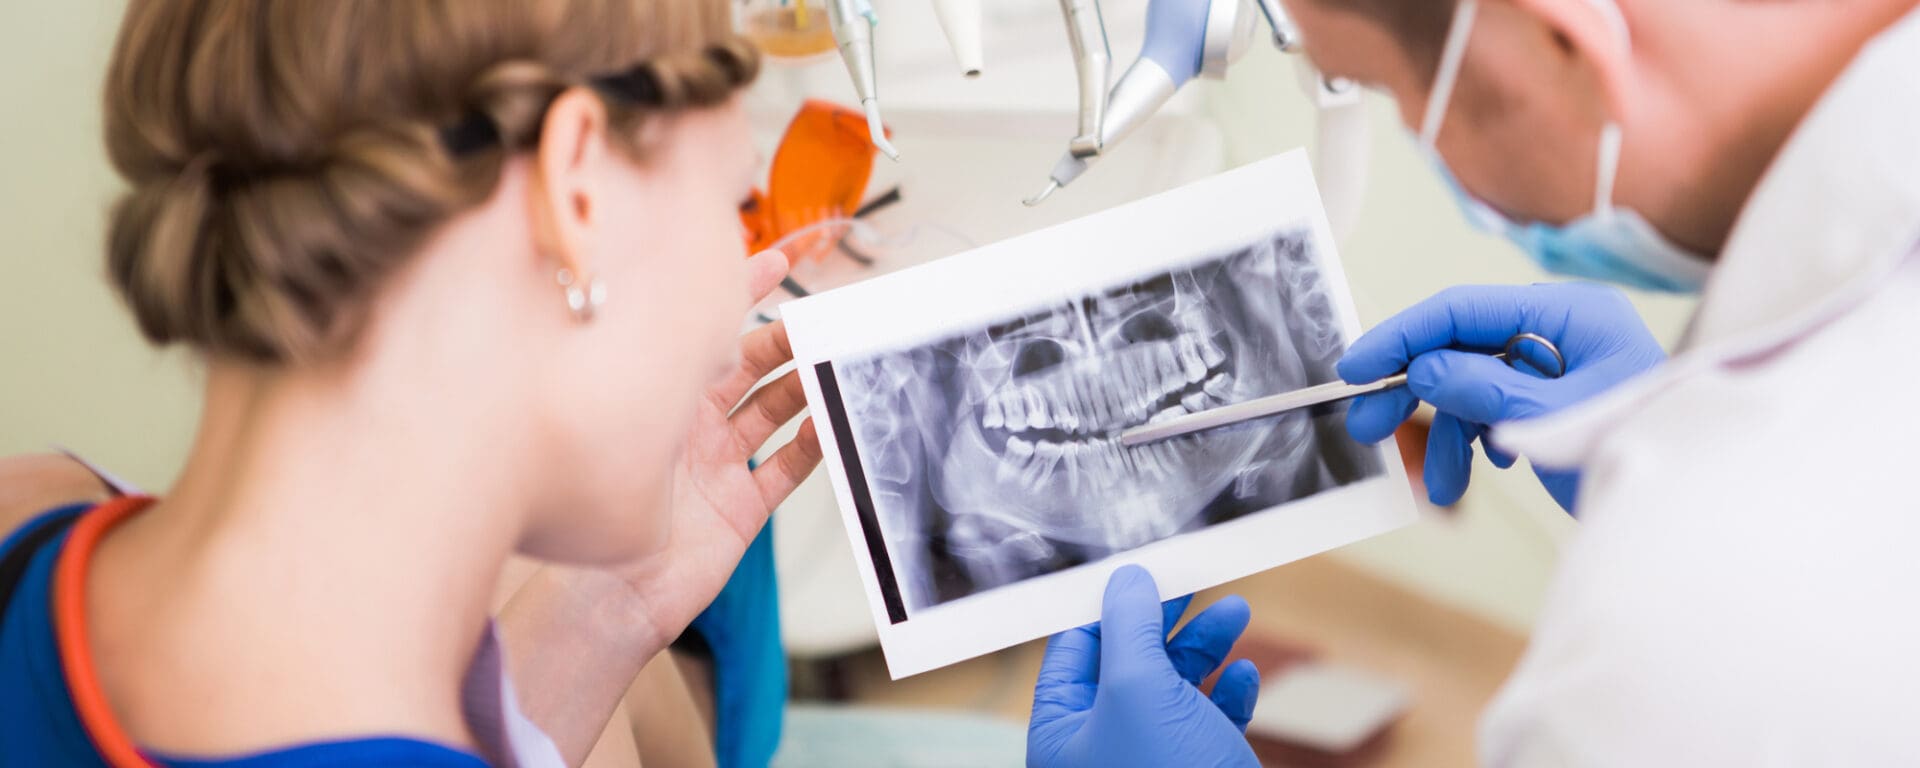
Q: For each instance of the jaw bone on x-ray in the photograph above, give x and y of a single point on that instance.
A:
(970, 410)
(994, 453)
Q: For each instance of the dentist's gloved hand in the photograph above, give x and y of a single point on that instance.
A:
(1118, 693)
(1603, 339)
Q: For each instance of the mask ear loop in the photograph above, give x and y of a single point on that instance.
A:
(1607, 171)
(1453, 56)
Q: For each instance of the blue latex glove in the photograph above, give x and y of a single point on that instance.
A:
(1119, 693)
(1603, 339)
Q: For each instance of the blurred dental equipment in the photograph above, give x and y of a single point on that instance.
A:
(787, 30)
(960, 19)
(1286, 36)
(1093, 66)
(853, 22)
(1184, 38)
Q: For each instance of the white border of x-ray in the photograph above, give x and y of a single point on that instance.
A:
(914, 306)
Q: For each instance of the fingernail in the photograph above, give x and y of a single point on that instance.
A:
(774, 251)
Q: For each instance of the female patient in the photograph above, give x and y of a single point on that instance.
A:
(466, 278)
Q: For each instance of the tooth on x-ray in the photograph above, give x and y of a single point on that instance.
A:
(970, 411)
(1014, 425)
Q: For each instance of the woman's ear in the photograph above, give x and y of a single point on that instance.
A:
(1594, 31)
(565, 194)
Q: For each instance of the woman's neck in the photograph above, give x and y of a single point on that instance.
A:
(321, 569)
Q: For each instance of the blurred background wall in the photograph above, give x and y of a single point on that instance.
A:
(74, 371)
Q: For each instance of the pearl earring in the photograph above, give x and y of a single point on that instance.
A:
(583, 301)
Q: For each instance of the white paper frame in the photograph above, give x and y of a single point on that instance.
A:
(1161, 232)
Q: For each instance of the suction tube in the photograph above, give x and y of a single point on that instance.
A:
(960, 19)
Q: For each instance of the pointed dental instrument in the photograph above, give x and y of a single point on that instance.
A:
(853, 22)
(1170, 56)
(1274, 405)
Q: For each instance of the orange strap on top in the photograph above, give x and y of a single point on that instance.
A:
(70, 630)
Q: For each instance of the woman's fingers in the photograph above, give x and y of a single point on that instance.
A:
(784, 470)
(761, 351)
(766, 409)
(764, 272)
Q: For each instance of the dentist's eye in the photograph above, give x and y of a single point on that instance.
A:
(1037, 355)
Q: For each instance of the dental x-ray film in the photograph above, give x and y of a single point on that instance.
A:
(970, 411)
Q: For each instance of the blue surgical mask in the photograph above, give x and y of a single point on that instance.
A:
(1613, 244)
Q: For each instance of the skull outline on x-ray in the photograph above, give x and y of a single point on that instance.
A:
(990, 455)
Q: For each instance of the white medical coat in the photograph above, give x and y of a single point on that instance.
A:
(1745, 586)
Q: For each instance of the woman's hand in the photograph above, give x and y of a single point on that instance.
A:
(576, 637)
(718, 503)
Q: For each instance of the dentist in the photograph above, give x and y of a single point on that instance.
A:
(1747, 517)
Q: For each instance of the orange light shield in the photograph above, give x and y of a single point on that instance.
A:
(819, 173)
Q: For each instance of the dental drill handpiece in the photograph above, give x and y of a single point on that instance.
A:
(853, 22)
(1170, 56)
(1093, 67)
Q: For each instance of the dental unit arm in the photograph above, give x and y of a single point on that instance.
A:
(853, 22)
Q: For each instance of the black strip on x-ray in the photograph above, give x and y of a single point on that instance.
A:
(862, 498)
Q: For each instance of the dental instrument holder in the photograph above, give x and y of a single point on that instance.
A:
(853, 22)
(1184, 38)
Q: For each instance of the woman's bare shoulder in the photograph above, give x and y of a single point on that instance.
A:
(34, 483)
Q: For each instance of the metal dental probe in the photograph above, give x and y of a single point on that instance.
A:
(1092, 65)
(1284, 402)
(853, 22)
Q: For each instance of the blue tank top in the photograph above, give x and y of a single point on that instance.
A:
(39, 725)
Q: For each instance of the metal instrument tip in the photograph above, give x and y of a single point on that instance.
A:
(1052, 185)
(879, 132)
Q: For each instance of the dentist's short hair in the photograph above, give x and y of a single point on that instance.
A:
(1420, 26)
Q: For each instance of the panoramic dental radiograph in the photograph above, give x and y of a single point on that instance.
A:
(993, 454)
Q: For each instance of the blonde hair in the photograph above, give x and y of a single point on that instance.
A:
(284, 157)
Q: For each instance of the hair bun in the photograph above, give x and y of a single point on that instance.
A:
(156, 255)
(285, 159)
